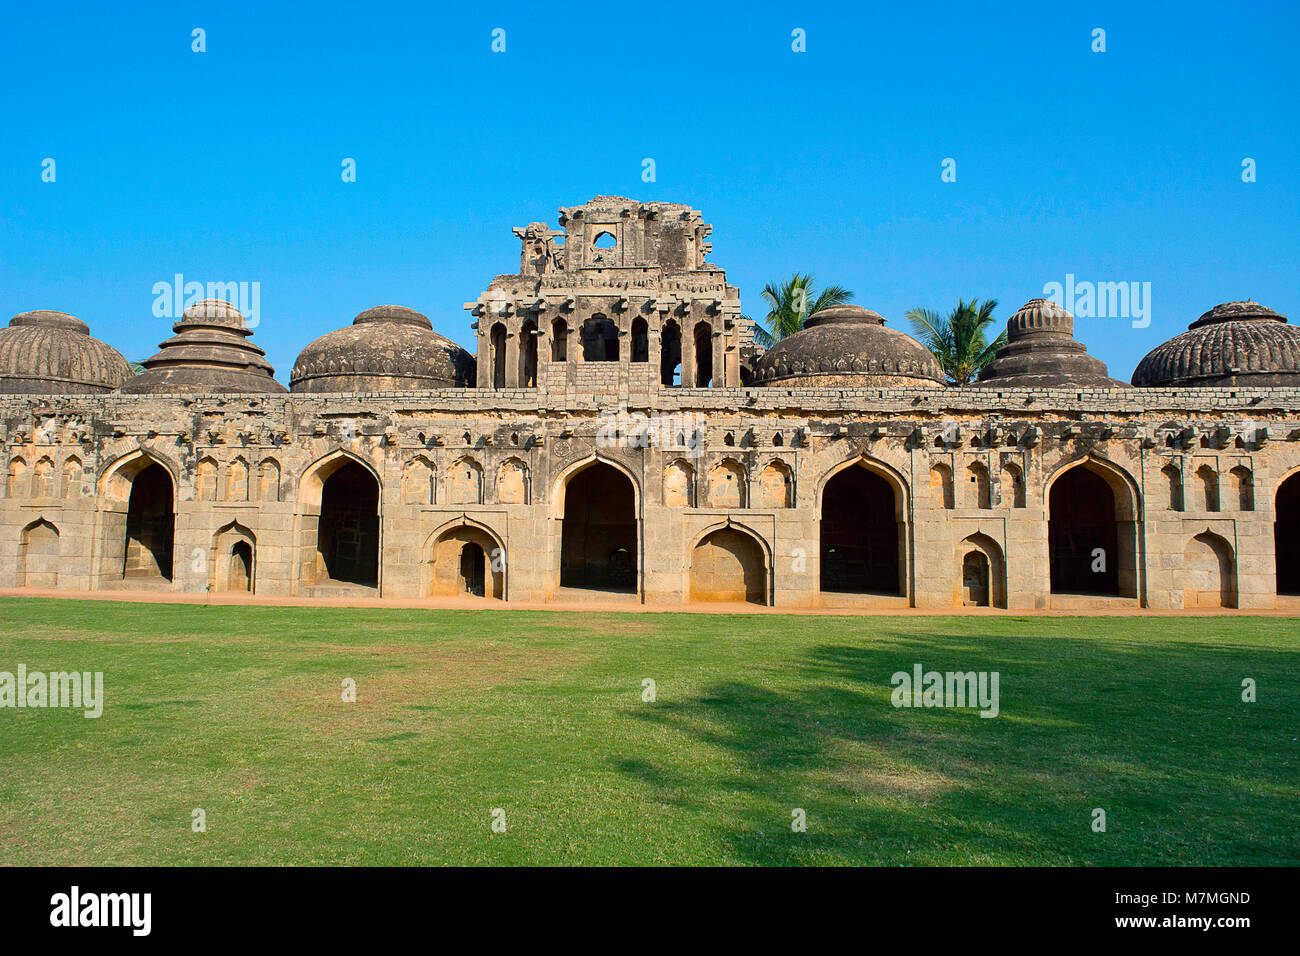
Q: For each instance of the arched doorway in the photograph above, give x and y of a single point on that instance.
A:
(559, 341)
(233, 559)
(670, 354)
(472, 576)
(1209, 572)
(497, 344)
(1092, 534)
(241, 567)
(528, 355)
(860, 534)
(975, 579)
(599, 340)
(464, 560)
(38, 559)
(703, 355)
(728, 565)
(1286, 535)
(981, 573)
(150, 526)
(598, 543)
(347, 540)
(640, 340)
(135, 522)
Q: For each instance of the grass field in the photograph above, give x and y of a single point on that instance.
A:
(238, 710)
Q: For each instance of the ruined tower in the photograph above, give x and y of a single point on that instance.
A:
(620, 300)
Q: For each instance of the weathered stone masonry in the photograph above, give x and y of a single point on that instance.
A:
(845, 475)
(969, 472)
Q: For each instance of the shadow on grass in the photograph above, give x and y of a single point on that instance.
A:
(1157, 735)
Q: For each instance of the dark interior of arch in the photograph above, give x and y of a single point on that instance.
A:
(598, 542)
(703, 356)
(241, 567)
(1082, 520)
(670, 355)
(473, 578)
(599, 340)
(528, 355)
(498, 356)
(640, 341)
(1286, 536)
(150, 525)
(348, 539)
(859, 534)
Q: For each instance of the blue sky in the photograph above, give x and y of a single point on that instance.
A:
(225, 165)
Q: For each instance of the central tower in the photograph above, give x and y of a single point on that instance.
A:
(620, 301)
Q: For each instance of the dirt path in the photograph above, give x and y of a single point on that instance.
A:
(625, 606)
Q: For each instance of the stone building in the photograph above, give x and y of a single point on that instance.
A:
(617, 436)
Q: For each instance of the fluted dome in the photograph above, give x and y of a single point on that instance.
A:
(1041, 352)
(52, 353)
(387, 348)
(848, 345)
(210, 352)
(1236, 343)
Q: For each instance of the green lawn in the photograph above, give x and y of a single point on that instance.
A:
(238, 710)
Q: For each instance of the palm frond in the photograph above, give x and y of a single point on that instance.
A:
(958, 340)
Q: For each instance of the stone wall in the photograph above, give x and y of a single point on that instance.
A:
(1193, 473)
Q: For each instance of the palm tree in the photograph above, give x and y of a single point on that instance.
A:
(790, 302)
(957, 339)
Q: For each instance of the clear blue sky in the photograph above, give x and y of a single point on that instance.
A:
(225, 165)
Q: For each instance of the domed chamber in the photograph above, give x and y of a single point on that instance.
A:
(847, 345)
(387, 348)
(210, 352)
(1235, 343)
(1042, 352)
(52, 353)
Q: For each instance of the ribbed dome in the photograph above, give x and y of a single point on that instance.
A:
(1041, 352)
(1040, 316)
(848, 345)
(1236, 343)
(52, 353)
(209, 353)
(387, 348)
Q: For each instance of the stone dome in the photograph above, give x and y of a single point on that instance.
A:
(210, 352)
(1041, 352)
(850, 346)
(1236, 343)
(387, 348)
(52, 353)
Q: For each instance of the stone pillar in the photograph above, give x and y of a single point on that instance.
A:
(688, 351)
(655, 351)
(512, 356)
(543, 345)
(720, 370)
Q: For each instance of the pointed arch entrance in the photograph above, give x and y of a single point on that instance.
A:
(863, 531)
(136, 524)
(1209, 572)
(1286, 535)
(38, 555)
(1092, 531)
(339, 525)
(729, 564)
(600, 530)
(465, 559)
